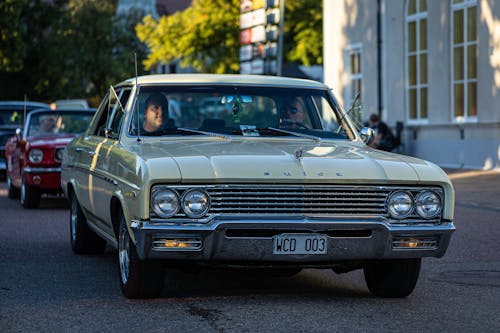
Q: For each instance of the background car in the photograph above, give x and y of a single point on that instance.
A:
(35, 153)
(282, 182)
(11, 118)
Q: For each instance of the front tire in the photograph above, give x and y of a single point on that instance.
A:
(13, 192)
(392, 278)
(30, 195)
(83, 239)
(138, 278)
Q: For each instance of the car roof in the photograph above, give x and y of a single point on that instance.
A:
(5, 105)
(34, 112)
(225, 79)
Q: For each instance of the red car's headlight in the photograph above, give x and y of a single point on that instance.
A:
(35, 155)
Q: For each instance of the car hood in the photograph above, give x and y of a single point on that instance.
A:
(284, 161)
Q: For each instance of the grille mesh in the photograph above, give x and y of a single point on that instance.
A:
(298, 200)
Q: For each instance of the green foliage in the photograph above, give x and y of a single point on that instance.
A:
(12, 49)
(74, 49)
(303, 31)
(205, 36)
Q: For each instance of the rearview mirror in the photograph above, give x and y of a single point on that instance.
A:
(19, 133)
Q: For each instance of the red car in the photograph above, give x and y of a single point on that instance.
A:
(34, 155)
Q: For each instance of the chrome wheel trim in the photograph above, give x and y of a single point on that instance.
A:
(9, 182)
(73, 218)
(123, 254)
(23, 192)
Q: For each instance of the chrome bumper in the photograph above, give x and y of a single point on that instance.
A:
(252, 240)
(41, 170)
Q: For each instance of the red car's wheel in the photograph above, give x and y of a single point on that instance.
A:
(30, 195)
(13, 192)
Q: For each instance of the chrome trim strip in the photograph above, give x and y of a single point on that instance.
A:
(41, 170)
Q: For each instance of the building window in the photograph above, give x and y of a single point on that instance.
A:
(464, 47)
(354, 63)
(417, 84)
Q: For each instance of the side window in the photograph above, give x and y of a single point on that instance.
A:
(99, 123)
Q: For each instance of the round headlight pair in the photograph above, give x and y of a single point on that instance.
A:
(401, 204)
(166, 202)
(35, 155)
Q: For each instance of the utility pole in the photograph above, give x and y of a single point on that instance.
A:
(279, 65)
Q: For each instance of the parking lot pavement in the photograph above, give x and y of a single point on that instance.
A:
(476, 188)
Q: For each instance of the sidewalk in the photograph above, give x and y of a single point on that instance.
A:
(476, 188)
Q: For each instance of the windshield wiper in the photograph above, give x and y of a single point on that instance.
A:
(192, 130)
(301, 135)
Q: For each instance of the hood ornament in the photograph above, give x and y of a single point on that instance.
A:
(298, 154)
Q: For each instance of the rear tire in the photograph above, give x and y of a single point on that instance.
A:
(83, 239)
(392, 278)
(138, 278)
(30, 195)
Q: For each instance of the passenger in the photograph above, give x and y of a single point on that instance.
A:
(293, 114)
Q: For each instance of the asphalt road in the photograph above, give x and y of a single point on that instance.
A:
(44, 287)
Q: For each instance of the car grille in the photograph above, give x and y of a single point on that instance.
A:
(298, 200)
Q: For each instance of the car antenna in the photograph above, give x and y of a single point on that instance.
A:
(24, 114)
(136, 96)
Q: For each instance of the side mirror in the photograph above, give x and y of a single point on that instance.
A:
(19, 133)
(367, 135)
(108, 133)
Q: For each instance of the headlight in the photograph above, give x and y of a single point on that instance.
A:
(35, 155)
(400, 204)
(164, 202)
(59, 154)
(195, 203)
(428, 204)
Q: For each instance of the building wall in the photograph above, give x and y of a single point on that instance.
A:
(441, 138)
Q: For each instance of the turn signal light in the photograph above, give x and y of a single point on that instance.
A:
(177, 243)
(409, 243)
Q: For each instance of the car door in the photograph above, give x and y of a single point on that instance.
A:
(85, 153)
(104, 182)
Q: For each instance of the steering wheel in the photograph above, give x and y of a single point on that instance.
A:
(292, 124)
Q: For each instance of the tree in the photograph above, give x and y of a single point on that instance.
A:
(303, 31)
(206, 35)
(74, 49)
(13, 48)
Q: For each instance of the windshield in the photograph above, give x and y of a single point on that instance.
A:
(53, 122)
(11, 118)
(240, 111)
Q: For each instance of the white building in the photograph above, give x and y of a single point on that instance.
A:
(432, 65)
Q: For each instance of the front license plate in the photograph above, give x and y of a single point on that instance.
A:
(299, 244)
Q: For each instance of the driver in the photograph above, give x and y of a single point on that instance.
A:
(47, 124)
(155, 113)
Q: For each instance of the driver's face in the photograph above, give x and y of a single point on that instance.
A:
(153, 117)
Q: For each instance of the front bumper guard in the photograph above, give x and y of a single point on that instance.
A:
(251, 240)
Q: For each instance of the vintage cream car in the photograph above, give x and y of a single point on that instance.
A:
(282, 182)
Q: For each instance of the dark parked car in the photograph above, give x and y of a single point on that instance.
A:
(11, 118)
(34, 155)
